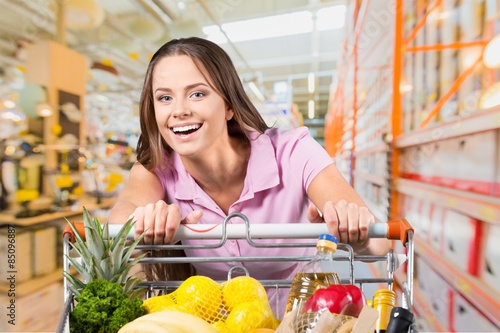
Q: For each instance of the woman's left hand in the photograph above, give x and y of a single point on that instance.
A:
(347, 221)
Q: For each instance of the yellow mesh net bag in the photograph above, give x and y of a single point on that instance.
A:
(235, 306)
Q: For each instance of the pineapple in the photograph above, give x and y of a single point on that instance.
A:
(103, 257)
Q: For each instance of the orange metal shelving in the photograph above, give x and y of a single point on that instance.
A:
(343, 109)
(347, 106)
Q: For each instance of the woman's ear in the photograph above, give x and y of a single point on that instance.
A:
(229, 114)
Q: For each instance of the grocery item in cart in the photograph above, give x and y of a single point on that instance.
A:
(238, 305)
(383, 301)
(401, 320)
(337, 298)
(168, 322)
(319, 272)
(102, 257)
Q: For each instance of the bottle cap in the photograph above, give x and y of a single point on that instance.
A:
(328, 237)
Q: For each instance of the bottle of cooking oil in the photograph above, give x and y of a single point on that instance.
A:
(317, 273)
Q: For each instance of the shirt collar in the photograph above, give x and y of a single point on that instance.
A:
(262, 171)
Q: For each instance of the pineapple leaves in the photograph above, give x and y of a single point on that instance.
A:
(94, 235)
(103, 257)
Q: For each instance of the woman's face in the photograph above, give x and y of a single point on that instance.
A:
(191, 116)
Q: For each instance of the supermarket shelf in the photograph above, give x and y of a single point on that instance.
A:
(479, 122)
(421, 305)
(30, 286)
(483, 207)
(89, 204)
(373, 178)
(376, 148)
(377, 210)
(476, 292)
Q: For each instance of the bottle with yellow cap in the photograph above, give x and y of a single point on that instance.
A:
(317, 273)
(384, 301)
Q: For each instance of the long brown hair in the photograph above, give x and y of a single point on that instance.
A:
(152, 150)
(213, 61)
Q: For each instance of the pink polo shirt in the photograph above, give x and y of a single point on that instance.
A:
(282, 164)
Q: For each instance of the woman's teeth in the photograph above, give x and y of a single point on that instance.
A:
(185, 129)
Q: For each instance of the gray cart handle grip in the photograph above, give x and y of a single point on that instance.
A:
(394, 230)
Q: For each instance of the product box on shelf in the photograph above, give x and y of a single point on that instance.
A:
(411, 162)
(432, 63)
(425, 223)
(448, 67)
(489, 270)
(443, 163)
(15, 253)
(411, 211)
(462, 236)
(436, 229)
(472, 27)
(418, 213)
(476, 169)
(435, 291)
(464, 317)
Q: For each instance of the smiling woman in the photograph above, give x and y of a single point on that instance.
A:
(206, 152)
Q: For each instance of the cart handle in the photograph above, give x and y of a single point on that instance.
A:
(393, 230)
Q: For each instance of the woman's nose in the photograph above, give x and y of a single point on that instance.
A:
(180, 110)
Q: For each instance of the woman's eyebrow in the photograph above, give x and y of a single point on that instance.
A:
(188, 87)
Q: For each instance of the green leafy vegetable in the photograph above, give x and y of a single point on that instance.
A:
(103, 307)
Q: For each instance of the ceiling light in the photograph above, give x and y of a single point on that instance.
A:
(277, 25)
(404, 88)
(490, 97)
(310, 111)
(491, 53)
(44, 110)
(330, 18)
(9, 104)
(310, 83)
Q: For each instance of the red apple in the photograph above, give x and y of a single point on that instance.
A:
(334, 298)
(358, 300)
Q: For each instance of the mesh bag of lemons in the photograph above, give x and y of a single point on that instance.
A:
(234, 306)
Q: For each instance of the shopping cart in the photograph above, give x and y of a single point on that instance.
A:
(297, 235)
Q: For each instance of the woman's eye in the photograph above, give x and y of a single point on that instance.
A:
(164, 98)
(198, 94)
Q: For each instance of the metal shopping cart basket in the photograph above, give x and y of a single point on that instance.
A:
(258, 236)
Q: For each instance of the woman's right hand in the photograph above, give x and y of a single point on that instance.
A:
(161, 221)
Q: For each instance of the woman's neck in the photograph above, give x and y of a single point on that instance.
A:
(222, 170)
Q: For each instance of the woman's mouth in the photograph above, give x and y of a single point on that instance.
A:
(185, 130)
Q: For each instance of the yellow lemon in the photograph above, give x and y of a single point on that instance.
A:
(249, 316)
(202, 295)
(242, 289)
(158, 303)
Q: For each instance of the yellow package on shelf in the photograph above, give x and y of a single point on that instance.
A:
(64, 181)
(26, 195)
